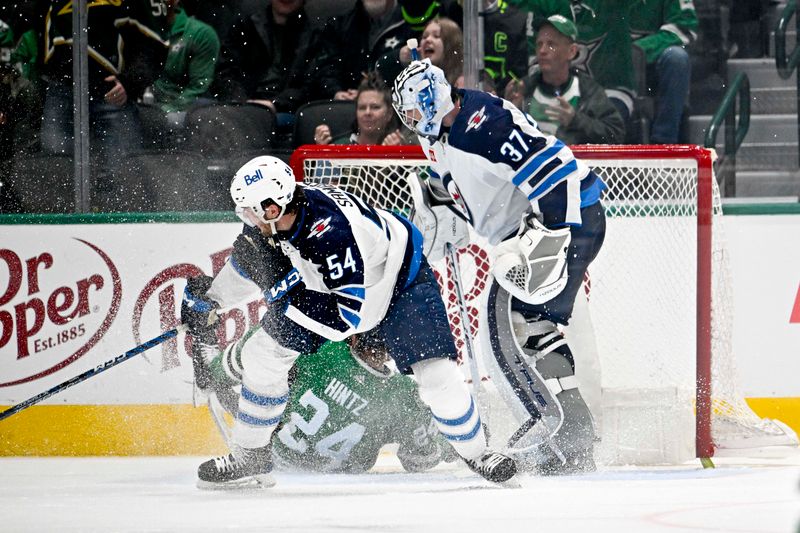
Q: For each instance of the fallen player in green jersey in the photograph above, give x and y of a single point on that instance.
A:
(345, 404)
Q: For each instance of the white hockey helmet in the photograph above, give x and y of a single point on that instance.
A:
(422, 97)
(262, 178)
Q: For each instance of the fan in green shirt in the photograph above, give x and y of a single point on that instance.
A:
(191, 60)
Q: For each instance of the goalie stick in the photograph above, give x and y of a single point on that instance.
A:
(94, 371)
(466, 327)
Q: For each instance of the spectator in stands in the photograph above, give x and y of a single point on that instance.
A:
(265, 59)
(6, 42)
(21, 89)
(126, 51)
(189, 67)
(351, 44)
(564, 102)
(25, 57)
(745, 33)
(443, 43)
(20, 113)
(507, 45)
(9, 203)
(662, 29)
(604, 44)
(376, 122)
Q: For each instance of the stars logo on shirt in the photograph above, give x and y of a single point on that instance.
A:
(319, 228)
(477, 119)
(586, 52)
(391, 43)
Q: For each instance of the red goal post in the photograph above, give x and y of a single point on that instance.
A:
(663, 255)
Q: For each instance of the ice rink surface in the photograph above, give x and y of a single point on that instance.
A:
(159, 494)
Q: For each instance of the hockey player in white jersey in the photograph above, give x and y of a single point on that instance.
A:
(540, 209)
(329, 266)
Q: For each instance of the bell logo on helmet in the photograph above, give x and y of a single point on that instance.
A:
(249, 180)
(260, 179)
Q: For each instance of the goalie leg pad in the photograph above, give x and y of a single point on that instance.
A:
(538, 386)
(265, 389)
(442, 388)
(514, 373)
(549, 351)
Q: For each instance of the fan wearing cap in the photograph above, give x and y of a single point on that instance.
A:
(565, 102)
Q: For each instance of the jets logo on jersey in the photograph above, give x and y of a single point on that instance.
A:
(319, 228)
(477, 119)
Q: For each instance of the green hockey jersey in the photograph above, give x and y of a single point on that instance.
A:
(341, 413)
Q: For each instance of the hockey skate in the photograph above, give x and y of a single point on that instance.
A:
(493, 466)
(243, 468)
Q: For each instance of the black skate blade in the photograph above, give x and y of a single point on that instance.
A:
(259, 482)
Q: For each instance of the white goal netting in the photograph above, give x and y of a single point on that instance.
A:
(641, 291)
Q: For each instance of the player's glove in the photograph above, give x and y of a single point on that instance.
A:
(260, 259)
(199, 313)
(437, 222)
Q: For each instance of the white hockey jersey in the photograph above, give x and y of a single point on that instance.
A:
(497, 165)
(349, 259)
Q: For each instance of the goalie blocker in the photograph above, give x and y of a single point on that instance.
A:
(532, 266)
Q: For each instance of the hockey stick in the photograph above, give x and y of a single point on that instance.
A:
(477, 387)
(94, 371)
(218, 415)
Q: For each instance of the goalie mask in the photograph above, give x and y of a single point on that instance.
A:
(421, 97)
(261, 179)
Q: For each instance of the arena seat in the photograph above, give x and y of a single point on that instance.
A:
(339, 115)
(219, 130)
(43, 183)
(156, 132)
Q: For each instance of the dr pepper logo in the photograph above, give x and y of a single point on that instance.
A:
(55, 305)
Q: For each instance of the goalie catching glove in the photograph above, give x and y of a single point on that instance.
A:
(437, 222)
(532, 266)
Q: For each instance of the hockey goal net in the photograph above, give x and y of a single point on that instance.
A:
(658, 303)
